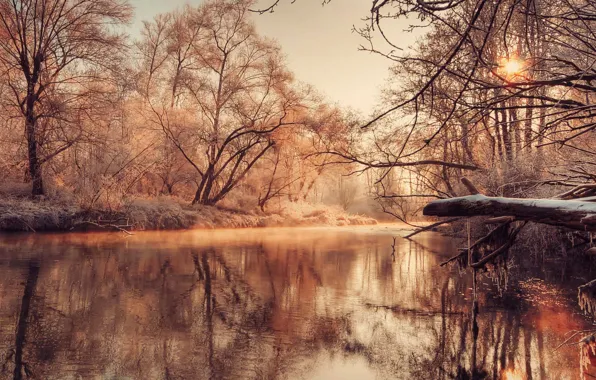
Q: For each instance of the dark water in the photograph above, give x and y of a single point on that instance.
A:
(272, 304)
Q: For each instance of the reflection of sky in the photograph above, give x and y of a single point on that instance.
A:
(318, 43)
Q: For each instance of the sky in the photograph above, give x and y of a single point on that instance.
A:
(318, 43)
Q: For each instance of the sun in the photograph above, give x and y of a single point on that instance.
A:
(512, 374)
(512, 66)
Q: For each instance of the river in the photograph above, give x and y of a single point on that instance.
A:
(304, 303)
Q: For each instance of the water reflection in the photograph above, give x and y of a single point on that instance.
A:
(267, 304)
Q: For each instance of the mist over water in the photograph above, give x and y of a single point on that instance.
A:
(272, 304)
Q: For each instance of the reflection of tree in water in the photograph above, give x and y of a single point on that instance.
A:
(263, 310)
(21, 332)
(161, 317)
(508, 342)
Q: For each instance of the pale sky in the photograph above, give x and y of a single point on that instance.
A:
(318, 43)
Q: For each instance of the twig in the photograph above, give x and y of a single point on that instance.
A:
(399, 309)
(465, 252)
(430, 227)
(104, 226)
(566, 342)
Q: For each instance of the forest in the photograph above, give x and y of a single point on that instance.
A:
(200, 110)
(203, 110)
(199, 122)
(197, 116)
(483, 130)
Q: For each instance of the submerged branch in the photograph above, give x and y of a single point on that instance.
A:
(419, 312)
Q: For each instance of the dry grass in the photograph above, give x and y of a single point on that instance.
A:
(305, 214)
(22, 215)
(290, 215)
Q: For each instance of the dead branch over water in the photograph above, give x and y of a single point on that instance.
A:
(572, 214)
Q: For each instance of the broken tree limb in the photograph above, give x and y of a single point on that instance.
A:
(567, 213)
(470, 186)
(502, 249)
(114, 227)
(586, 199)
(487, 236)
(431, 226)
(579, 191)
(477, 243)
(452, 259)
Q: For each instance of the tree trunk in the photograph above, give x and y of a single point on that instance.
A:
(542, 123)
(498, 135)
(197, 198)
(465, 140)
(505, 132)
(34, 164)
(514, 125)
(206, 196)
(491, 139)
(528, 125)
(497, 128)
(202, 195)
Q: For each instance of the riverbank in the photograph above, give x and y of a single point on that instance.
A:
(25, 215)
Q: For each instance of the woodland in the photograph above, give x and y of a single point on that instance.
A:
(485, 127)
(196, 122)
(202, 111)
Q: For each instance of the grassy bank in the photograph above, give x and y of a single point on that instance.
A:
(25, 215)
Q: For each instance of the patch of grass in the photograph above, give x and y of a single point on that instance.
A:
(26, 215)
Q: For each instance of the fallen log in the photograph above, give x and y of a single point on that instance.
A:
(573, 214)
(575, 209)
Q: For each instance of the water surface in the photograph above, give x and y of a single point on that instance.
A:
(272, 304)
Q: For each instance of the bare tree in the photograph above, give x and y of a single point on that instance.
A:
(53, 54)
(218, 94)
